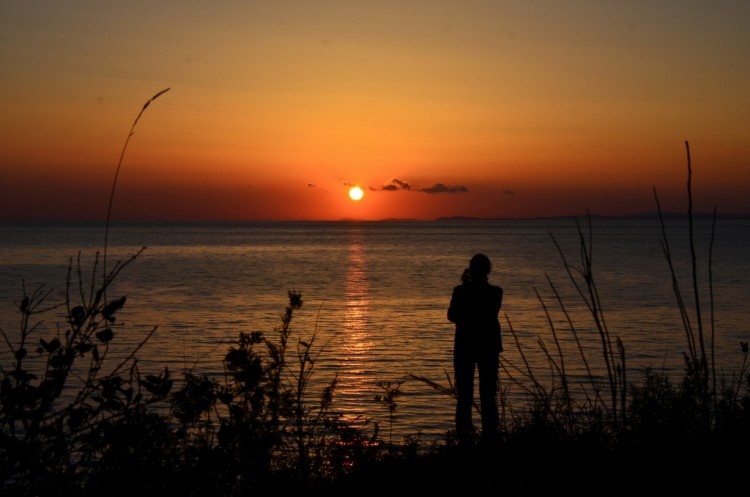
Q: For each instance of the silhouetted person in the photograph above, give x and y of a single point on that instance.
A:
(475, 306)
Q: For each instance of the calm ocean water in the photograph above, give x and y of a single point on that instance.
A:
(376, 294)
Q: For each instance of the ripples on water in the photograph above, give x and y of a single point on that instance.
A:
(376, 294)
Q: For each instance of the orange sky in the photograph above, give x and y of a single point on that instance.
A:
(434, 108)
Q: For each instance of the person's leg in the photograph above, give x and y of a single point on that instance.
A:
(489, 367)
(463, 367)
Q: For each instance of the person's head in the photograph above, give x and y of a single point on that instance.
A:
(480, 266)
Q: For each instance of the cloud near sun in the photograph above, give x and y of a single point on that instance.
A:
(397, 184)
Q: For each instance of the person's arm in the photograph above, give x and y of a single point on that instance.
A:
(453, 309)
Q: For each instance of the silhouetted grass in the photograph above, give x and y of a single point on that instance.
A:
(71, 423)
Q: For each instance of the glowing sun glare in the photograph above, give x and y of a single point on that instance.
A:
(356, 193)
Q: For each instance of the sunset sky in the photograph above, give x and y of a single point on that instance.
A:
(434, 108)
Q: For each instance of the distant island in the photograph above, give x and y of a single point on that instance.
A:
(635, 216)
(639, 215)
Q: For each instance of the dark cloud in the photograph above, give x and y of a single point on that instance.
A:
(311, 185)
(403, 185)
(441, 188)
(397, 184)
(386, 188)
(509, 192)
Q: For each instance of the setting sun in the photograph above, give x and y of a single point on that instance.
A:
(356, 193)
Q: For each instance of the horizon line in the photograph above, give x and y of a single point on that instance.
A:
(637, 215)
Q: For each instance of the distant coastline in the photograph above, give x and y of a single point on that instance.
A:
(634, 216)
(639, 215)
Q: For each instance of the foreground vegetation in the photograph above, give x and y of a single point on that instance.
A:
(72, 422)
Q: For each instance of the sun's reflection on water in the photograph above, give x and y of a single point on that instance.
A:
(355, 378)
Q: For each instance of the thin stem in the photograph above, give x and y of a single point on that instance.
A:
(117, 174)
(711, 302)
(696, 293)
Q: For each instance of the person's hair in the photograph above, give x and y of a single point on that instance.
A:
(480, 265)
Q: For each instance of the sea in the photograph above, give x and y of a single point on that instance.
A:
(375, 296)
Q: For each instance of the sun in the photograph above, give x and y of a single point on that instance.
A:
(356, 193)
